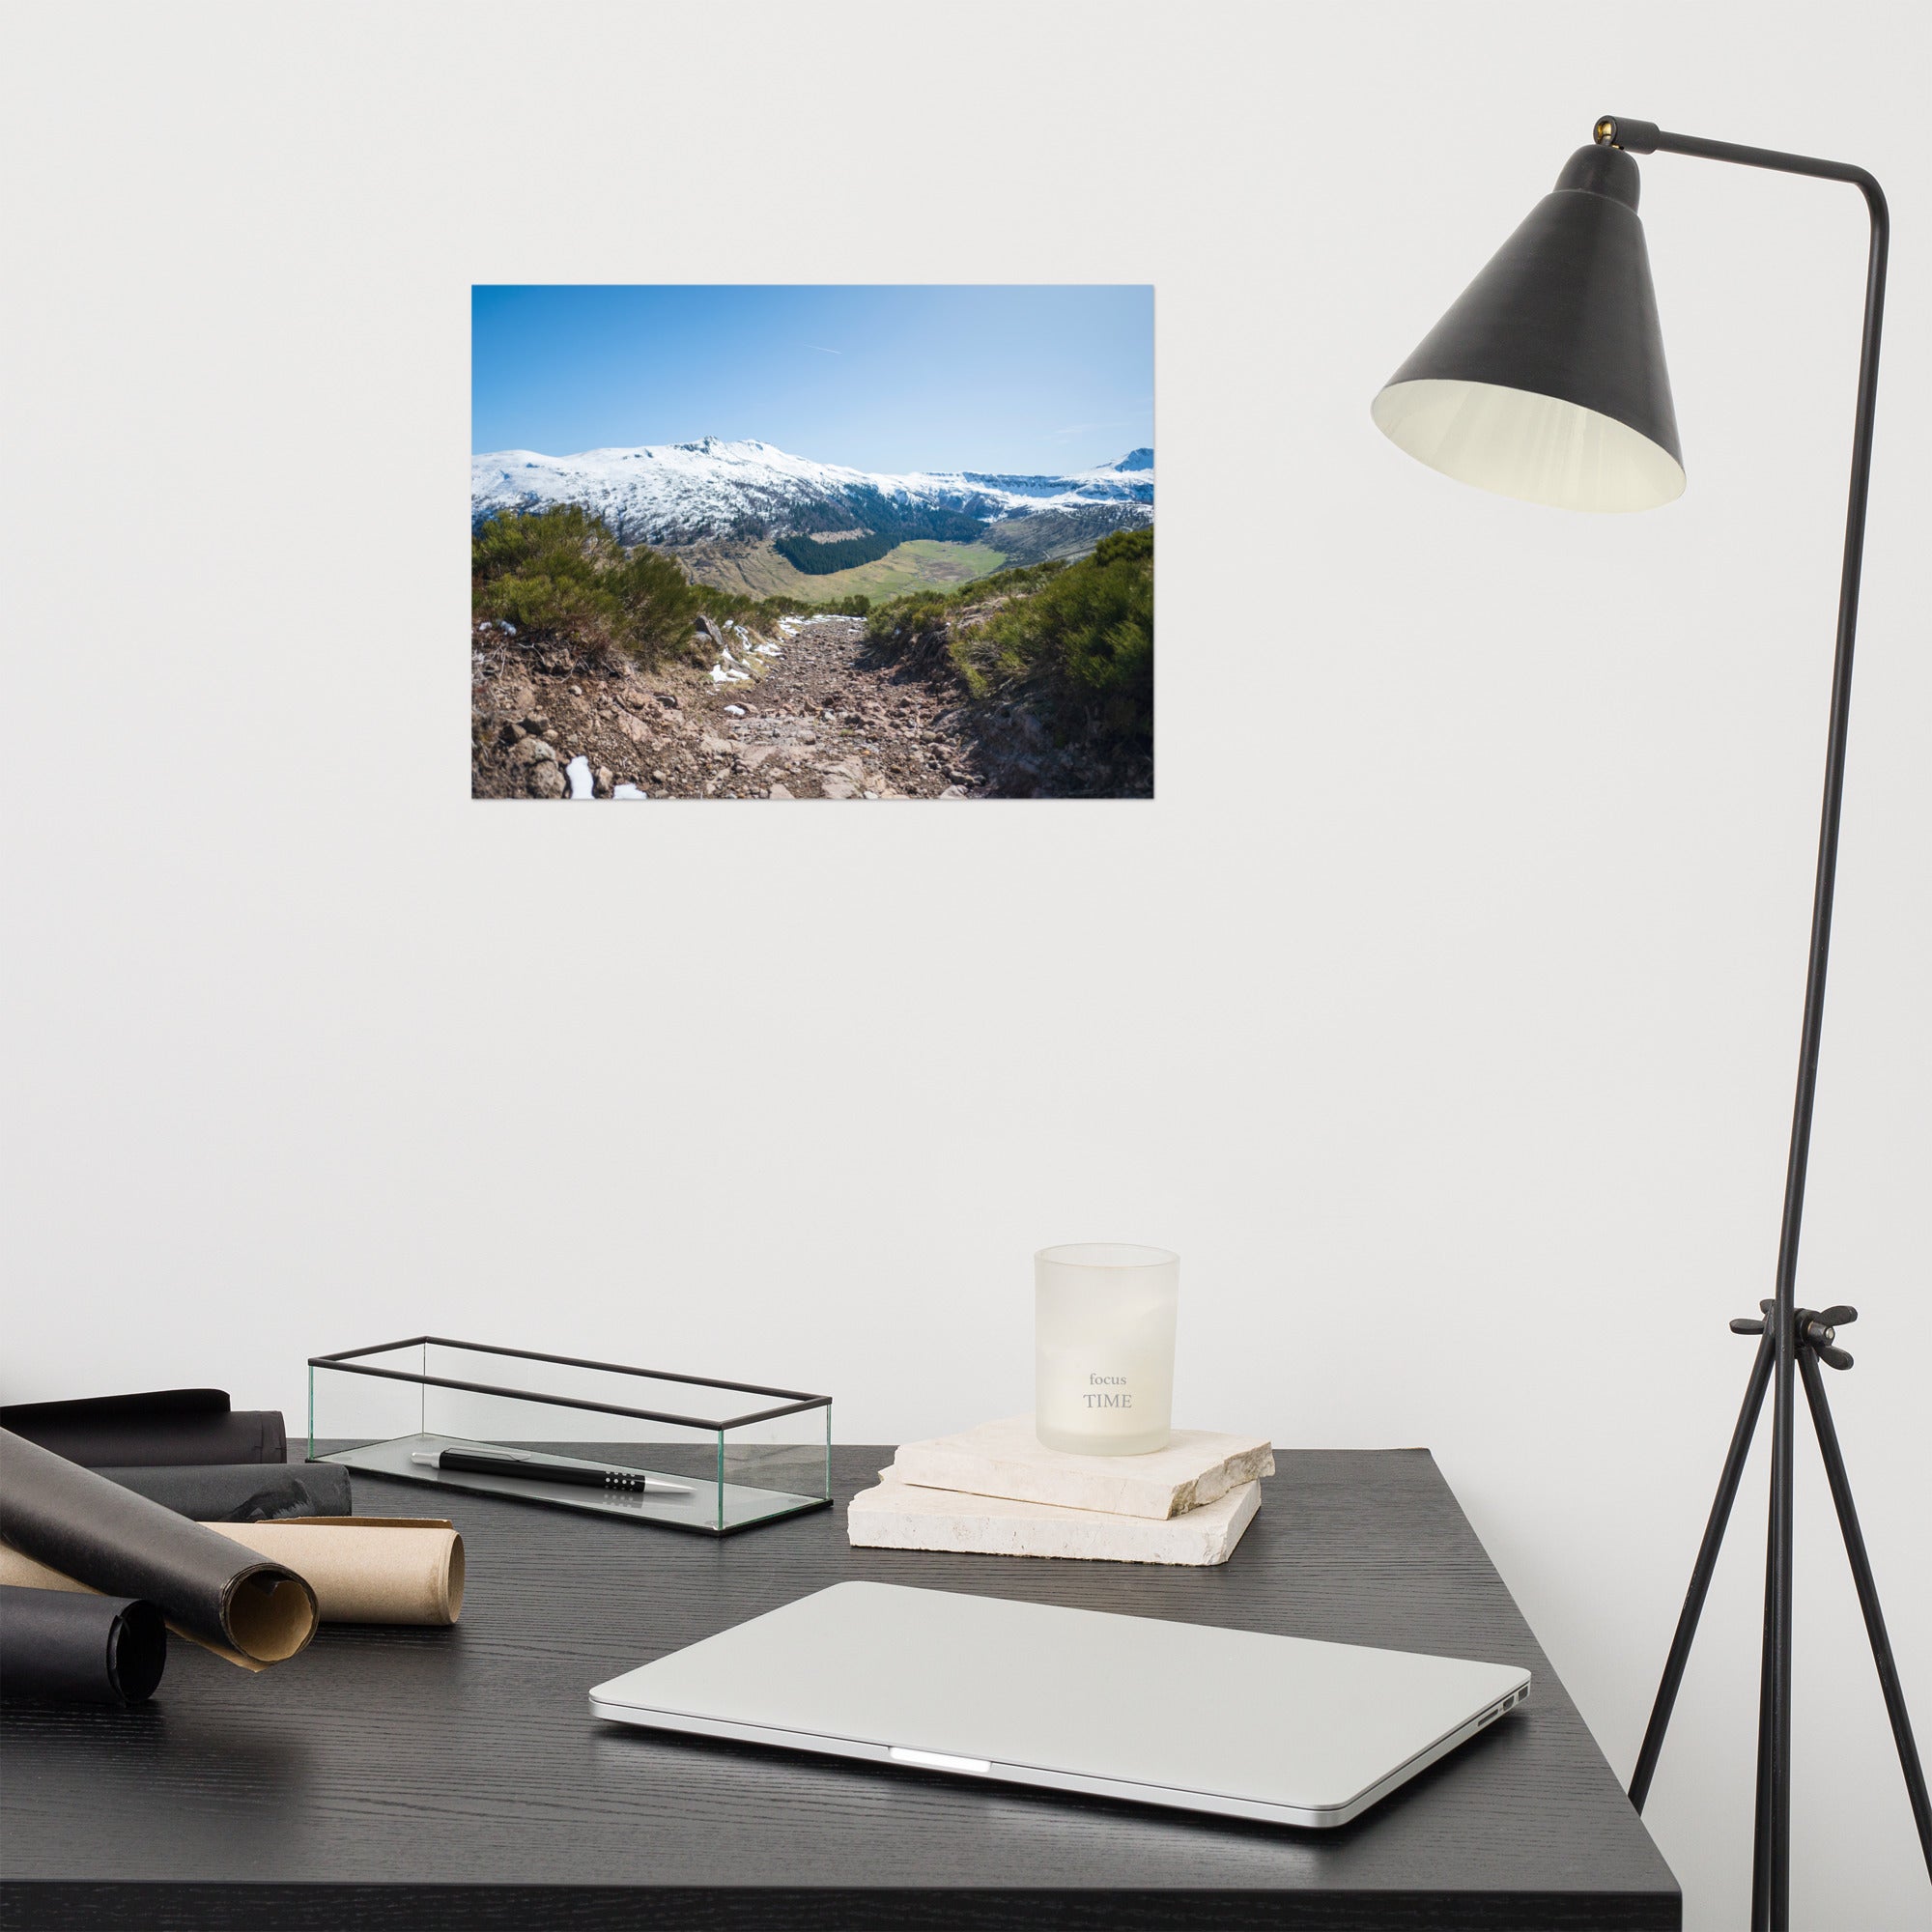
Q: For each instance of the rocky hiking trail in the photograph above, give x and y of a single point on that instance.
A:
(812, 712)
(831, 719)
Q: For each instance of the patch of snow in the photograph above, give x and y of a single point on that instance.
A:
(734, 711)
(679, 493)
(768, 651)
(578, 772)
(628, 791)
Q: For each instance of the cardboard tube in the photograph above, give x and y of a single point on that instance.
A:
(89, 1533)
(363, 1569)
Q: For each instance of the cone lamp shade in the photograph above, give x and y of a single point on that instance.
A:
(1546, 381)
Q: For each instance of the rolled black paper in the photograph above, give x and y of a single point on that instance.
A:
(161, 1426)
(79, 1649)
(242, 1491)
(207, 1587)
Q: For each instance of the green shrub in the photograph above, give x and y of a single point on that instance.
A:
(1081, 638)
(905, 620)
(1074, 640)
(560, 576)
(659, 602)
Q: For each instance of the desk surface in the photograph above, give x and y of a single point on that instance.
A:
(437, 1778)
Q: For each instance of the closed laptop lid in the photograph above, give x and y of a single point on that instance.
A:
(1280, 1721)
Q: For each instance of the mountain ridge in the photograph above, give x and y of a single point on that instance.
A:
(677, 493)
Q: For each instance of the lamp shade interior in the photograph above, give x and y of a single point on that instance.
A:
(1519, 444)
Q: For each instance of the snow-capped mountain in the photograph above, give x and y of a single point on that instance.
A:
(682, 492)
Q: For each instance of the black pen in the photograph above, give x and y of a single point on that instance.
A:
(531, 1469)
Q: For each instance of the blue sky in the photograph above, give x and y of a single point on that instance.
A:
(1033, 379)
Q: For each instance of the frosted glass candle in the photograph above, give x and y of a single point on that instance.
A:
(1104, 1348)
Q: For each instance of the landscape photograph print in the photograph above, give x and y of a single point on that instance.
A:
(812, 542)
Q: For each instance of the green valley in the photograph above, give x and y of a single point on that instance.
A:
(755, 569)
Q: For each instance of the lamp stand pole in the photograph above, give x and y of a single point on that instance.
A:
(1795, 1340)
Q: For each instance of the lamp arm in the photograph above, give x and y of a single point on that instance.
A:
(1771, 1905)
(1646, 138)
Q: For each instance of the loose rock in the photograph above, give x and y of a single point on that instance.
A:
(837, 720)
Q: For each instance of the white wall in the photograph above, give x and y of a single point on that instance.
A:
(1443, 1010)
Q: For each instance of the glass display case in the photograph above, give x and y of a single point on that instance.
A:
(641, 1445)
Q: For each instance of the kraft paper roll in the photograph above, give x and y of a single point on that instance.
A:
(364, 1570)
(242, 1491)
(89, 1533)
(367, 1570)
(59, 1646)
(157, 1426)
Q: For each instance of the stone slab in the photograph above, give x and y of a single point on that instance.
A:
(903, 1516)
(1007, 1458)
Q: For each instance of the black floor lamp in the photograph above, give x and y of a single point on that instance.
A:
(1546, 382)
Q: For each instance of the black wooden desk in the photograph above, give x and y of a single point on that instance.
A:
(422, 1779)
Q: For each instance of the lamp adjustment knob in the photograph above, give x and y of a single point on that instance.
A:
(1619, 131)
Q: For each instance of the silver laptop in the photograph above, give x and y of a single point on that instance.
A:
(1279, 1728)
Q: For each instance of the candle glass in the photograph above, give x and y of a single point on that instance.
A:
(1103, 1346)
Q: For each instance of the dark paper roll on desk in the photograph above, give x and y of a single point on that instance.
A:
(242, 1491)
(61, 1646)
(81, 1526)
(162, 1425)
